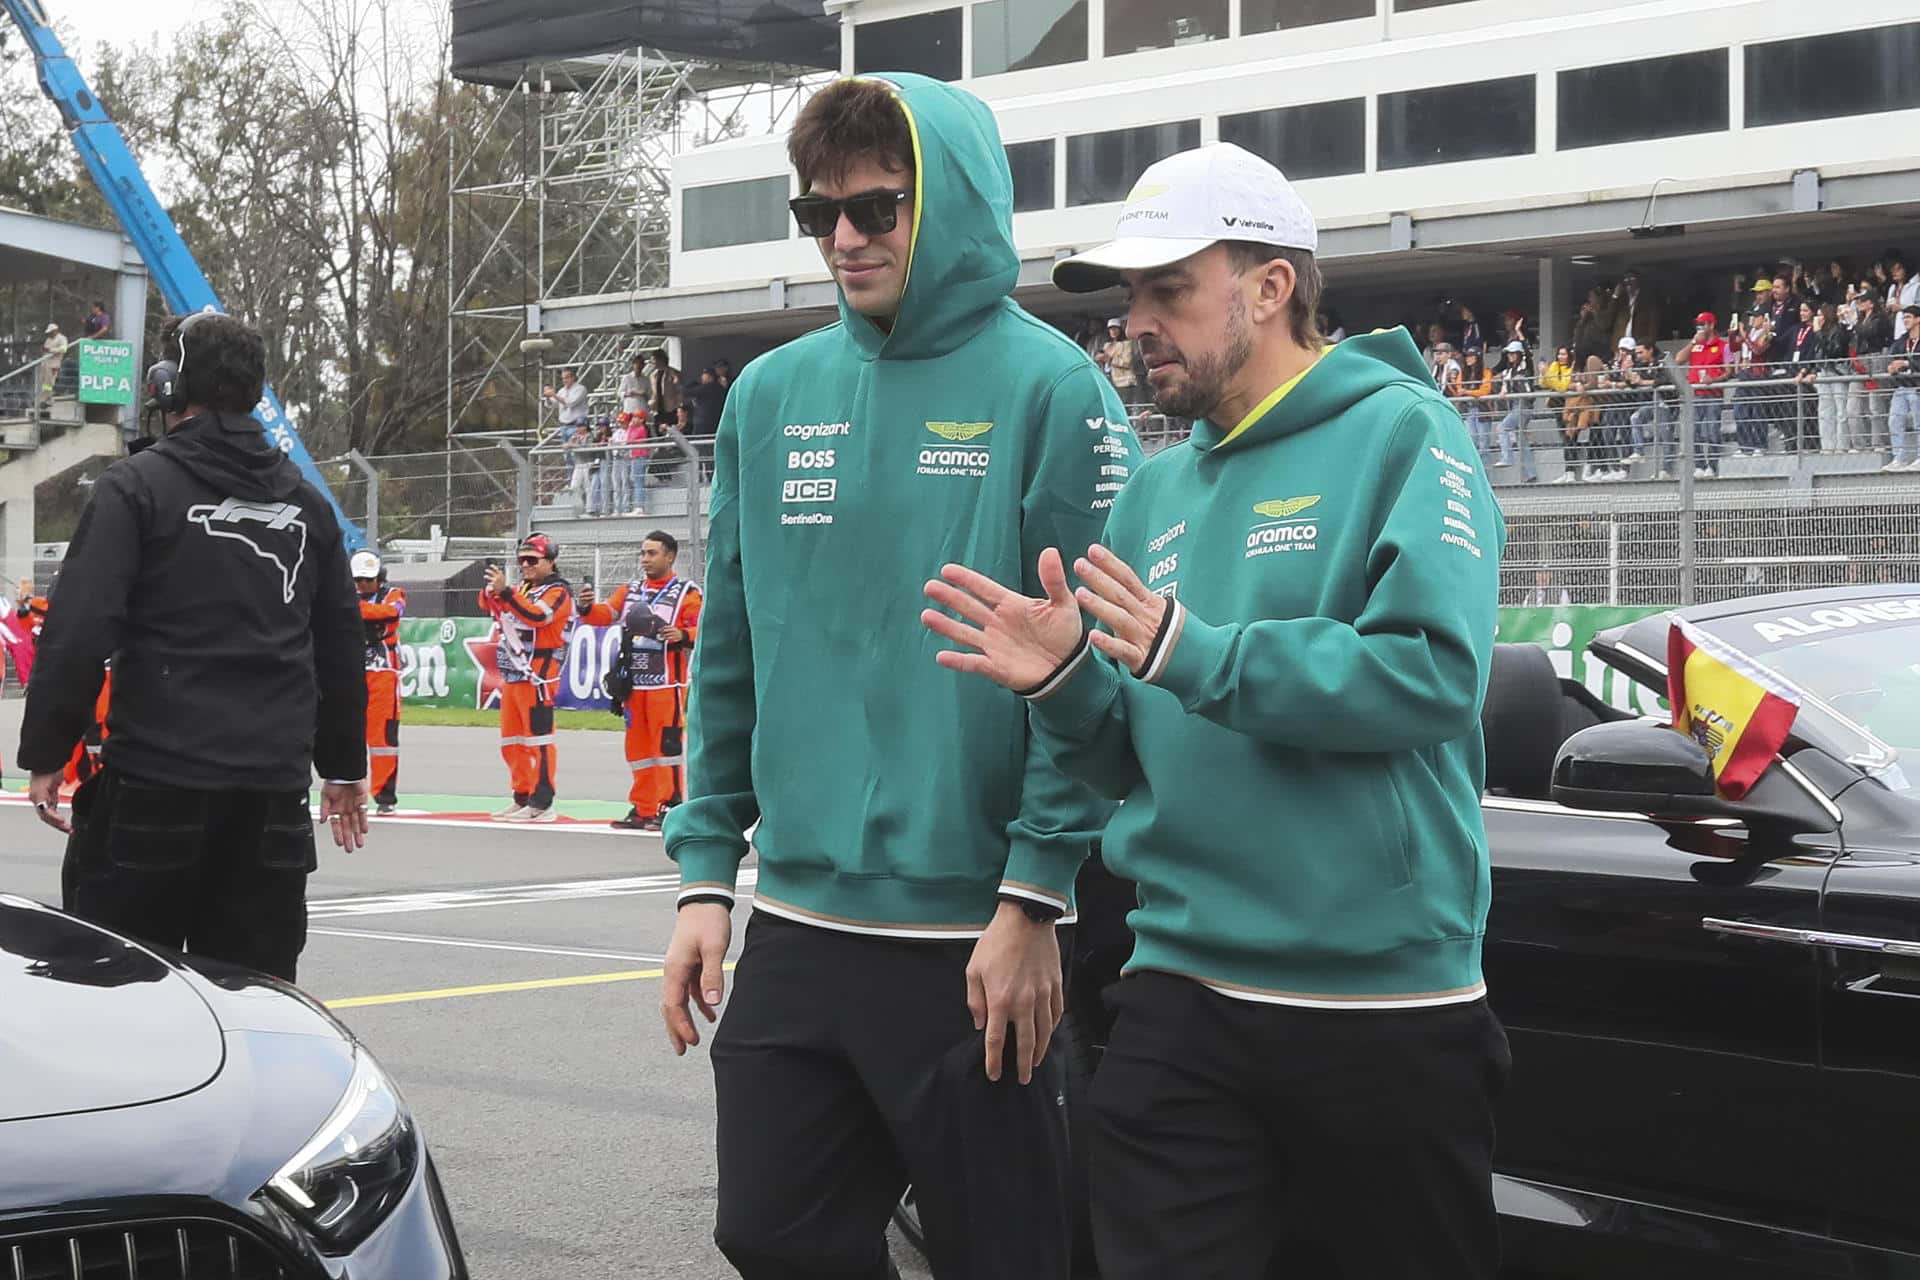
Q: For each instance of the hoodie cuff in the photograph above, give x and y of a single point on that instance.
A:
(1186, 654)
(1076, 697)
(708, 870)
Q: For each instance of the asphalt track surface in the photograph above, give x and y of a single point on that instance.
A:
(507, 977)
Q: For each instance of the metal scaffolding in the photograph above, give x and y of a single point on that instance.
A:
(564, 192)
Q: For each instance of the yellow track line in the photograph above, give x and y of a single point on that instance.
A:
(496, 988)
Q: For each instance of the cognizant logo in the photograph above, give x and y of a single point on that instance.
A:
(816, 430)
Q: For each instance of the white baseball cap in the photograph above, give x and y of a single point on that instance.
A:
(1627, 344)
(1516, 345)
(1189, 202)
(365, 564)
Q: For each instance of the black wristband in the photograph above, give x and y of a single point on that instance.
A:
(1038, 912)
(1159, 639)
(1059, 673)
(718, 899)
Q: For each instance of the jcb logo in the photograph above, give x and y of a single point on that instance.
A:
(808, 490)
(809, 459)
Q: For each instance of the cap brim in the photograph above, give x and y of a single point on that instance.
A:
(1100, 268)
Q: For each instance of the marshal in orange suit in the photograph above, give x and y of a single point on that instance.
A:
(381, 608)
(659, 617)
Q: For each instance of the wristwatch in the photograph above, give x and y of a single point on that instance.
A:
(1038, 912)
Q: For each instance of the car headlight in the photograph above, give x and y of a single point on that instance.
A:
(352, 1172)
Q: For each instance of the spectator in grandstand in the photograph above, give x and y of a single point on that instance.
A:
(568, 400)
(1513, 381)
(1833, 284)
(1119, 359)
(1444, 364)
(637, 452)
(1903, 413)
(1579, 419)
(1617, 449)
(1474, 385)
(1903, 289)
(578, 456)
(723, 374)
(1833, 352)
(1592, 329)
(1867, 401)
(1331, 323)
(600, 442)
(53, 350)
(633, 387)
(1649, 422)
(1783, 313)
(1706, 360)
(1753, 398)
(1803, 367)
(1514, 328)
(1636, 312)
(1557, 377)
(701, 405)
(1544, 593)
(663, 391)
(98, 322)
(618, 468)
(1470, 337)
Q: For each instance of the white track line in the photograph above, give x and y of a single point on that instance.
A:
(481, 944)
(504, 895)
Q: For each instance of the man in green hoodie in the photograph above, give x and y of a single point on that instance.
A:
(1298, 608)
(901, 977)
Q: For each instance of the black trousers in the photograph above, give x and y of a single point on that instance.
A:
(220, 874)
(846, 1067)
(1357, 1144)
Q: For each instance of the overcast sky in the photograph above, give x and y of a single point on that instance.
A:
(126, 23)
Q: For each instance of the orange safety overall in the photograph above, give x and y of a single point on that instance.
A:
(533, 646)
(656, 709)
(380, 614)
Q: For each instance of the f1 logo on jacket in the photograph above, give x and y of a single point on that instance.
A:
(272, 530)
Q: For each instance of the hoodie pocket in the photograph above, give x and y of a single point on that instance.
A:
(1390, 816)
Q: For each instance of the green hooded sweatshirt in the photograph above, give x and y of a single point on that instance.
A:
(894, 796)
(1301, 760)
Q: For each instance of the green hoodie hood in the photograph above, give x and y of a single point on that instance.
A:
(956, 279)
(1345, 374)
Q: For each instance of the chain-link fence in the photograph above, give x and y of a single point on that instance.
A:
(460, 491)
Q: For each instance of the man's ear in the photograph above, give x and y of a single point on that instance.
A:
(1273, 290)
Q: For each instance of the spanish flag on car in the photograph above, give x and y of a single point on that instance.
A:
(1728, 703)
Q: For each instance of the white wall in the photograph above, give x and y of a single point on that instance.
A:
(1481, 40)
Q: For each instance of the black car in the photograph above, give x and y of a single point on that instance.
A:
(1714, 1006)
(168, 1118)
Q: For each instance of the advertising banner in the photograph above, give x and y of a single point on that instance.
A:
(106, 371)
(451, 662)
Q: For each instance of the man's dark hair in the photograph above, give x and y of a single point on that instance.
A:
(223, 366)
(660, 355)
(845, 123)
(665, 539)
(99, 304)
(1303, 309)
(569, 369)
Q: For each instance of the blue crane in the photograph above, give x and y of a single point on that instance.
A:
(145, 221)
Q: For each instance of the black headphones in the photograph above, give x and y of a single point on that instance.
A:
(166, 385)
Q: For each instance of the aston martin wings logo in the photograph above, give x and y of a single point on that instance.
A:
(273, 531)
(959, 432)
(1146, 191)
(1284, 507)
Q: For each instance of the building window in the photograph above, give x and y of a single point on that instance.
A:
(1013, 35)
(1457, 122)
(1133, 25)
(1277, 15)
(1317, 140)
(1852, 73)
(725, 213)
(1032, 165)
(928, 43)
(1104, 166)
(1652, 98)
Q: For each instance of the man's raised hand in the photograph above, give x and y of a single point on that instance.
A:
(1011, 639)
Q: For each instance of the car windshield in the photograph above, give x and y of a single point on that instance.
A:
(1861, 658)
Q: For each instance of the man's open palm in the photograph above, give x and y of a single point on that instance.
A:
(1011, 639)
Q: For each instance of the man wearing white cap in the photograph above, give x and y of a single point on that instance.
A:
(1297, 614)
(381, 608)
(55, 349)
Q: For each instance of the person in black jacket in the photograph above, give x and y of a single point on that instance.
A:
(216, 578)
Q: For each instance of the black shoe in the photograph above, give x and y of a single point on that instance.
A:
(382, 810)
(632, 822)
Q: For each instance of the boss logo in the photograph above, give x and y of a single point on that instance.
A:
(809, 459)
(808, 490)
(1162, 568)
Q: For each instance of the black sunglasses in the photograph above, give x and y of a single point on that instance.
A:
(872, 213)
(529, 559)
